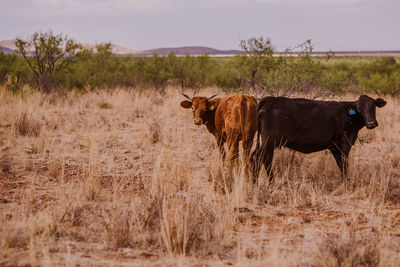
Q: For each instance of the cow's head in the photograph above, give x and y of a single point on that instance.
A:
(201, 106)
(366, 107)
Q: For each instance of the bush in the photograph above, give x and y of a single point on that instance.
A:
(231, 75)
(27, 125)
(14, 72)
(381, 83)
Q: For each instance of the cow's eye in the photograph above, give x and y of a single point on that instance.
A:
(193, 108)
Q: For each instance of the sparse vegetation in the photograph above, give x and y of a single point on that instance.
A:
(60, 63)
(121, 177)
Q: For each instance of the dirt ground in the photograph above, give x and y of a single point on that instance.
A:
(124, 178)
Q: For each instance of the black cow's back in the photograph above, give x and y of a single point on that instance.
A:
(301, 124)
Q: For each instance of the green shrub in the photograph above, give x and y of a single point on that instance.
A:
(387, 83)
(258, 70)
(14, 72)
(232, 75)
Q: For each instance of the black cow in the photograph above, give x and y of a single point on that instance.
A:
(308, 126)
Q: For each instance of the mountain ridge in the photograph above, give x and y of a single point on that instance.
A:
(8, 46)
(193, 50)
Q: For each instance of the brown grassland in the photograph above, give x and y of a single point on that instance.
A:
(124, 178)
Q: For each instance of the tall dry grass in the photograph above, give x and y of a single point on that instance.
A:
(125, 178)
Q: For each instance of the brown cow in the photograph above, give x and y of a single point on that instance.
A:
(230, 119)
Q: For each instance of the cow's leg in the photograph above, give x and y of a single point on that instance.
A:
(220, 184)
(256, 160)
(255, 164)
(233, 153)
(267, 155)
(342, 159)
(220, 143)
(247, 144)
(233, 149)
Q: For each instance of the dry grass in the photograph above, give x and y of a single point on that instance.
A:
(125, 178)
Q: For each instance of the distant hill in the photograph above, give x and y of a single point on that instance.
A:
(6, 50)
(192, 50)
(116, 49)
(8, 46)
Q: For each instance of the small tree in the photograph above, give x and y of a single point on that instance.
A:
(258, 59)
(99, 67)
(179, 69)
(191, 71)
(295, 70)
(204, 68)
(51, 53)
(156, 72)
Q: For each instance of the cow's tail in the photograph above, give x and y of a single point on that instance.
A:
(258, 135)
(258, 145)
(242, 118)
(256, 154)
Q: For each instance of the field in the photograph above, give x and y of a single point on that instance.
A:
(124, 178)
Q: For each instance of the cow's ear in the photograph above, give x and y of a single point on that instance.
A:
(212, 104)
(379, 102)
(186, 104)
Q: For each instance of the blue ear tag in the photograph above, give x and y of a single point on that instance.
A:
(352, 112)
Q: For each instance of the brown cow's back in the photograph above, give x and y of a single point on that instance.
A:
(235, 121)
(236, 116)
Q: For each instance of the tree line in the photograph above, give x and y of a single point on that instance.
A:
(52, 62)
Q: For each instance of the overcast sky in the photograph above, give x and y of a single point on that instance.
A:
(145, 24)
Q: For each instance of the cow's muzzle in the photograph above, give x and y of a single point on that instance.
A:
(371, 124)
(198, 121)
